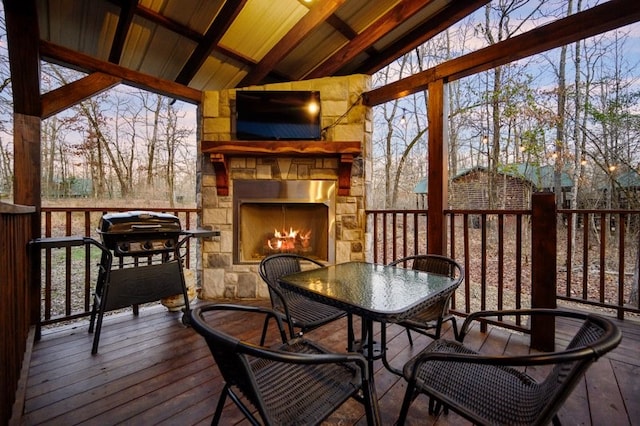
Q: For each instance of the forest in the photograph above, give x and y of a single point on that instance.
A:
(575, 108)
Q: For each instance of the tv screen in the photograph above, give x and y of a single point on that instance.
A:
(278, 115)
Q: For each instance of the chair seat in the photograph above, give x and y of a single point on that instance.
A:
(310, 314)
(309, 391)
(488, 393)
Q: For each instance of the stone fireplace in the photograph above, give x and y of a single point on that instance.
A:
(266, 197)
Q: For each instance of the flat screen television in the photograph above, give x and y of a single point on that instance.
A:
(278, 115)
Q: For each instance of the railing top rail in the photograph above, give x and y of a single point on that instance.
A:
(117, 209)
(488, 211)
(599, 211)
(451, 211)
(7, 208)
(505, 211)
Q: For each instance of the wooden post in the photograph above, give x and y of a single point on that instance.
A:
(438, 170)
(24, 59)
(543, 268)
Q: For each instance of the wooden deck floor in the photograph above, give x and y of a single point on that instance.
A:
(151, 369)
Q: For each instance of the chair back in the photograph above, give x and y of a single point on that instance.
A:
(431, 263)
(275, 266)
(228, 352)
(595, 337)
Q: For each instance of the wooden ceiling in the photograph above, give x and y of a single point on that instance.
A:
(182, 47)
(218, 44)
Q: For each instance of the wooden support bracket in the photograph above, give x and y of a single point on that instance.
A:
(220, 151)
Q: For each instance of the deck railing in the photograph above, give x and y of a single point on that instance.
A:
(494, 246)
(595, 264)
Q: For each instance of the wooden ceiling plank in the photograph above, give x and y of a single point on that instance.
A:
(70, 94)
(86, 63)
(421, 34)
(596, 20)
(216, 30)
(368, 37)
(314, 18)
(127, 13)
(23, 35)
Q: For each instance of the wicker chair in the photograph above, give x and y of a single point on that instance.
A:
(495, 389)
(295, 382)
(300, 311)
(429, 321)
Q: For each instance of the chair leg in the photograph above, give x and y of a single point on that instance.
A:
(409, 336)
(406, 403)
(264, 331)
(350, 334)
(220, 405)
(454, 325)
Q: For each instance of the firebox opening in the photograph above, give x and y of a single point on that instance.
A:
(267, 228)
(283, 216)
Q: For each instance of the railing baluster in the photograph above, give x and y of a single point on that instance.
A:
(67, 265)
(569, 253)
(585, 255)
(621, 256)
(603, 242)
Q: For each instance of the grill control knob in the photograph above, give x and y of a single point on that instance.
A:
(148, 245)
(168, 243)
(123, 247)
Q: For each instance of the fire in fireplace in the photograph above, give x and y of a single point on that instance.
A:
(291, 216)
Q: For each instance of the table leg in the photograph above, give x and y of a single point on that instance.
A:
(383, 343)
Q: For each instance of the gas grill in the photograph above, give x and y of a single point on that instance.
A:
(147, 247)
(149, 265)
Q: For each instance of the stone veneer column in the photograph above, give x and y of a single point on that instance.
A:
(345, 119)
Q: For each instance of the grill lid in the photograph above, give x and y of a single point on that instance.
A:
(138, 222)
(140, 233)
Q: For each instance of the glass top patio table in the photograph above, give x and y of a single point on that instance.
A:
(376, 292)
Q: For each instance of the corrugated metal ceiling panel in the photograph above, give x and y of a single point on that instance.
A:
(194, 14)
(218, 73)
(406, 26)
(362, 13)
(314, 49)
(84, 26)
(276, 18)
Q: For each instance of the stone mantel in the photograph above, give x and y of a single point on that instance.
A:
(219, 151)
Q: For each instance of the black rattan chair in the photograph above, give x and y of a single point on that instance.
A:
(494, 389)
(429, 321)
(300, 311)
(295, 382)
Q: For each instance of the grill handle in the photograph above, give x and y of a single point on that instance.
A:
(152, 226)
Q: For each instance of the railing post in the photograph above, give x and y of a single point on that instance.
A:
(543, 268)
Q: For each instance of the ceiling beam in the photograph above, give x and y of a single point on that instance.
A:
(127, 13)
(73, 93)
(79, 61)
(374, 32)
(314, 18)
(596, 20)
(456, 11)
(216, 30)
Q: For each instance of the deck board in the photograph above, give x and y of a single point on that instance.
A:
(151, 369)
